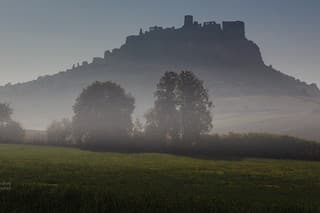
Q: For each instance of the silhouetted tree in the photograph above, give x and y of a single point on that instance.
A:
(60, 132)
(162, 120)
(5, 113)
(182, 108)
(194, 106)
(10, 130)
(102, 112)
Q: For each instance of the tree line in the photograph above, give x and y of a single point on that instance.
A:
(103, 113)
(179, 122)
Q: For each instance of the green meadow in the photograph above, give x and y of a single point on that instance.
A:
(52, 179)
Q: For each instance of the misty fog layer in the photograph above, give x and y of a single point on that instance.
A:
(248, 95)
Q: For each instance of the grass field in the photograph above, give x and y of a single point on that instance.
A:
(50, 179)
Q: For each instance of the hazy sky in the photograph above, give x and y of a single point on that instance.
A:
(40, 37)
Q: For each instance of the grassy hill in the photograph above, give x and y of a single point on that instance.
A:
(50, 179)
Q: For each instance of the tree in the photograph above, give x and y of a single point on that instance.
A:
(194, 106)
(137, 129)
(5, 113)
(60, 132)
(162, 120)
(10, 130)
(182, 109)
(101, 112)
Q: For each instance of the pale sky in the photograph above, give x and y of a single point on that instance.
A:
(39, 37)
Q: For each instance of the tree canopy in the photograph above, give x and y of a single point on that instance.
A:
(101, 112)
(162, 120)
(182, 109)
(10, 130)
(5, 113)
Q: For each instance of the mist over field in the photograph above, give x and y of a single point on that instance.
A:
(248, 95)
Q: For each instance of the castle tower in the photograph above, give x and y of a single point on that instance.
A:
(234, 29)
(188, 21)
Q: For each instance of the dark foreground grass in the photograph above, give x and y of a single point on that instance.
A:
(48, 179)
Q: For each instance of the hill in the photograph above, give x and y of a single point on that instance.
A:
(230, 64)
(48, 179)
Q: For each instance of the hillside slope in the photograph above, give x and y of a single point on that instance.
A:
(230, 65)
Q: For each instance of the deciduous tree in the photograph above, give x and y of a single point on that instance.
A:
(102, 112)
(10, 130)
(182, 109)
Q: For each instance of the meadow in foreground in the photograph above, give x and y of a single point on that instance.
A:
(50, 179)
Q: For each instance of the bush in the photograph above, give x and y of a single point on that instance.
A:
(11, 132)
(60, 132)
(252, 145)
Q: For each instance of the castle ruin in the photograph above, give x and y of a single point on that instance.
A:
(230, 30)
(208, 43)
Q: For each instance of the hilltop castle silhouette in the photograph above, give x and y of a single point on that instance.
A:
(194, 42)
(221, 54)
(211, 29)
(197, 43)
(223, 48)
(192, 31)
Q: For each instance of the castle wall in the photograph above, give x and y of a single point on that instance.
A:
(192, 30)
